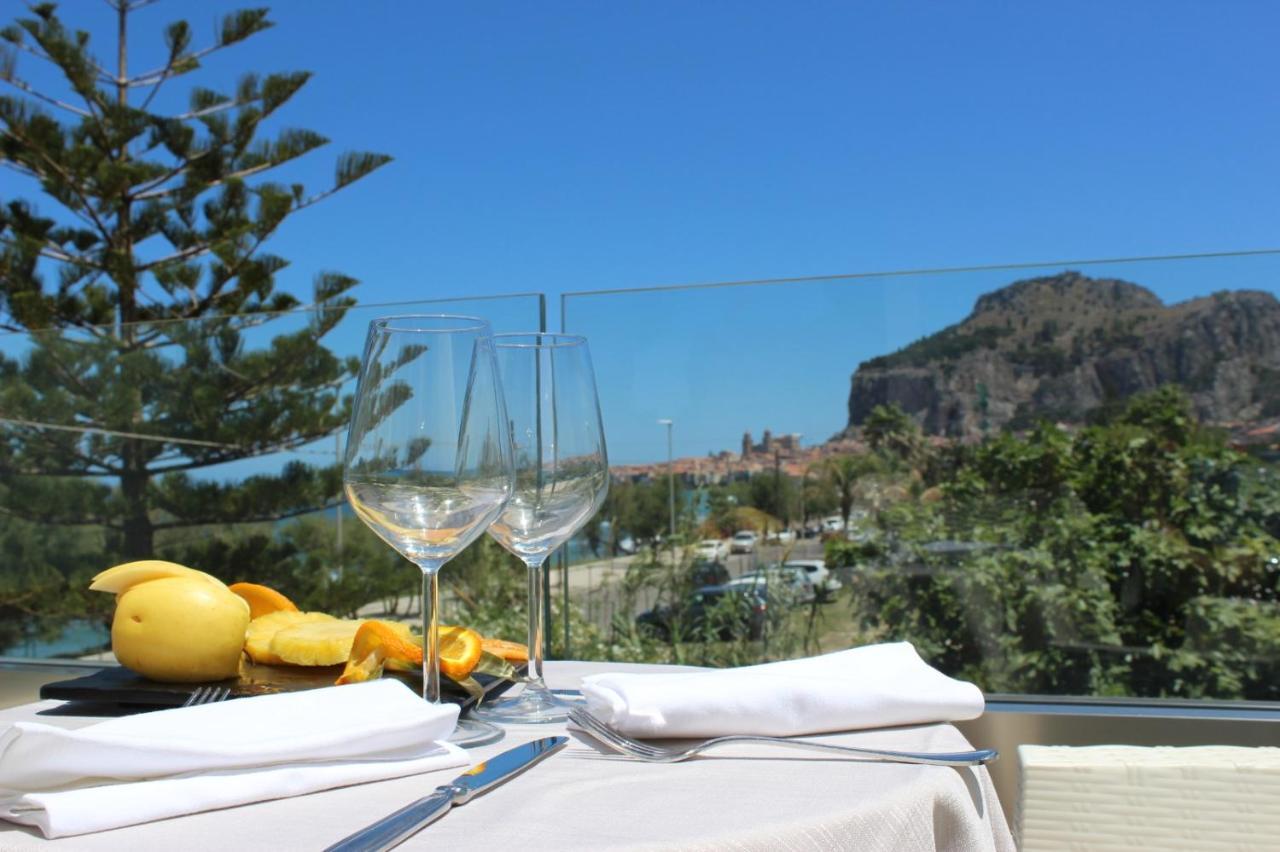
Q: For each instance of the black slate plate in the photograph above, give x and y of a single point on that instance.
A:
(122, 687)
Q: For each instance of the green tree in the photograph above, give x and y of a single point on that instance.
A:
(775, 494)
(138, 286)
(1135, 557)
(852, 477)
(817, 496)
(890, 430)
(640, 509)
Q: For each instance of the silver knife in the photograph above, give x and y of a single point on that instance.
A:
(394, 829)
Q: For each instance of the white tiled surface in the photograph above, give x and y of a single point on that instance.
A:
(1128, 797)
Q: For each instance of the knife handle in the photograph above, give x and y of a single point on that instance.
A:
(394, 829)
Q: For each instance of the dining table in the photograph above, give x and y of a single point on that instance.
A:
(586, 797)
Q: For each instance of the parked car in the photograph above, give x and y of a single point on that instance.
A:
(825, 584)
(743, 541)
(711, 549)
(794, 582)
(781, 537)
(729, 611)
(708, 572)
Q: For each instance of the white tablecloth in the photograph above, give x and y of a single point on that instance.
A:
(755, 798)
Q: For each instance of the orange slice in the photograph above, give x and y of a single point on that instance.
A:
(262, 599)
(512, 652)
(378, 644)
(460, 650)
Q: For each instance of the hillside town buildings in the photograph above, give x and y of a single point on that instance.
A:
(782, 453)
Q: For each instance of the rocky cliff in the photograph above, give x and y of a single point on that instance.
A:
(1061, 346)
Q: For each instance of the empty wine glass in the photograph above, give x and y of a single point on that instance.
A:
(562, 476)
(428, 462)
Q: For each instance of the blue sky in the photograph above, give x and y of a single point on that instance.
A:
(560, 146)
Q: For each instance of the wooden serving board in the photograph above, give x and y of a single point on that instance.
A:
(117, 685)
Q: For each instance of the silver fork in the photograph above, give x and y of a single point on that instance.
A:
(207, 695)
(655, 754)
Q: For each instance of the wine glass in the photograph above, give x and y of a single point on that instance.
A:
(428, 461)
(562, 476)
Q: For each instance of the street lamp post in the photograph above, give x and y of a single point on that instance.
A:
(671, 479)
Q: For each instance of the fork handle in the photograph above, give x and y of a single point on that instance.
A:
(977, 757)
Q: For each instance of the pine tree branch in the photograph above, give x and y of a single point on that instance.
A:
(242, 173)
(256, 389)
(261, 517)
(274, 92)
(68, 375)
(146, 102)
(215, 293)
(19, 168)
(77, 521)
(185, 254)
(40, 434)
(204, 248)
(40, 54)
(68, 180)
(89, 463)
(35, 175)
(230, 103)
(24, 86)
(10, 470)
(256, 451)
(54, 252)
(143, 190)
(156, 76)
(87, 92)
(26, 48)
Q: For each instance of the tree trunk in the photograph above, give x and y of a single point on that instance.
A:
(139, 532)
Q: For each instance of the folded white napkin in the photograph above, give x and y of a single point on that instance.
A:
(171, 762)
(869, 687)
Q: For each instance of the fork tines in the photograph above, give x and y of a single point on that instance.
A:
(207, 695)
(609, 737)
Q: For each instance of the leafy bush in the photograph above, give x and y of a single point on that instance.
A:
(1136, 557)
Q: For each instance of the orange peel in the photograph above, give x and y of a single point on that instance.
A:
(262, 599)
(377, 644)
(512, 652)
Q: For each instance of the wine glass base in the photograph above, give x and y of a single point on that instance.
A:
(531, 707)
(472, 733)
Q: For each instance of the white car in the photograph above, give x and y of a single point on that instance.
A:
(743, 541)
(782, 537)
(794, 580)
(824, 582)
(712, 550)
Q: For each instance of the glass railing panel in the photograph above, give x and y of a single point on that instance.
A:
(1052, 480)
(214, 443)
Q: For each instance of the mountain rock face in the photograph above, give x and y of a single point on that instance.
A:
(1061, 346)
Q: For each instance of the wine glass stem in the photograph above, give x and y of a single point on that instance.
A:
(536, 627)
(431, 633)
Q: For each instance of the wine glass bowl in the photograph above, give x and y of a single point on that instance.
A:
(561, 479)
(428, 459)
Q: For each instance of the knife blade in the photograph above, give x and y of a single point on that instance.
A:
(395, 828)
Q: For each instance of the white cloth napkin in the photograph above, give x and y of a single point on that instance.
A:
(869, 687)
(171, 762)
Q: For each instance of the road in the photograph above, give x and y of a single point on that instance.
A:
(600, 591)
